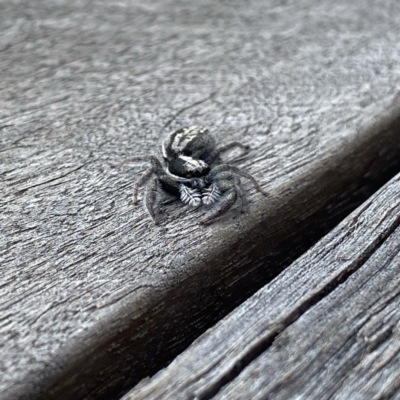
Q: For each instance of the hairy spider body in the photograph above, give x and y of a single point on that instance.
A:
(193, 173)
(194, 142)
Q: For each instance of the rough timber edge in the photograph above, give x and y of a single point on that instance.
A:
(161, 317)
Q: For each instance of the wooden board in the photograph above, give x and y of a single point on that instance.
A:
(93, 295)
(326, 328)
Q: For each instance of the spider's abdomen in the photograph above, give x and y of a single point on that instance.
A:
(194, 142)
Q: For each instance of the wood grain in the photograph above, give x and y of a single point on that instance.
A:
(93, 295)
(328, 327)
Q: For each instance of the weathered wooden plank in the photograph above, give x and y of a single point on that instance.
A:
(348, 345)
(90, 289)
(326, 328)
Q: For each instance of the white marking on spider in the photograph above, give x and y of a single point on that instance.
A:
(193, 165)
(210, 195)
(164, 150)
(182, 139)
(190, 196)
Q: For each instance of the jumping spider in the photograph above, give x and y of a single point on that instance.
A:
(193, 173)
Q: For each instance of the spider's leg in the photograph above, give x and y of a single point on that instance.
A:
(155, 163)
(150, 199)
(227, 175)
(134, 159)
(156, 168)
(140, 182)
(241, 194)
(170, 201)
(215, 173)
(227, 147)
(228, 199)
(250, 178)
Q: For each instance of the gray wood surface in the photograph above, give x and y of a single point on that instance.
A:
(93, 295)
(328, 327)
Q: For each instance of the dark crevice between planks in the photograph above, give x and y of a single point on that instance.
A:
(265, 343)
(134, 348)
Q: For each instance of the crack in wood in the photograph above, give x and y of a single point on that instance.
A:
(266, 342)
(195, 104)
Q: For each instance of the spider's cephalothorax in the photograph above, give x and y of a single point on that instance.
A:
(193, 173)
